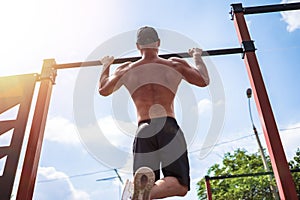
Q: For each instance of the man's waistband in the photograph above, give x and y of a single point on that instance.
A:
(157, 120)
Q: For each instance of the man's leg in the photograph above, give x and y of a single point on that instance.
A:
(174, 163)
(167, 187)
(146, 164)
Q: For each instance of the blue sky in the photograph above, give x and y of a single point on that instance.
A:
(70, 31)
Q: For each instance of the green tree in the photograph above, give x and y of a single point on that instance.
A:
(295, 165)
(240, 162)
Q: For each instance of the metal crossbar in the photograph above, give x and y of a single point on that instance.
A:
(132, 59)
(271, 8)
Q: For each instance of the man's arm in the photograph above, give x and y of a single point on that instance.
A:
(200, 65)
(108, 84)
(197, 75)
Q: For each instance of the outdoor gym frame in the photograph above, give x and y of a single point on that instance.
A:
(47, 78)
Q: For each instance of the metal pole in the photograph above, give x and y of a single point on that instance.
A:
(271, 8)
(133, 59)
(208, 188)
(263, 157)
(34, 146)
(280, 166)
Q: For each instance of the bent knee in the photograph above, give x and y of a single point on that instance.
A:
(183, 191)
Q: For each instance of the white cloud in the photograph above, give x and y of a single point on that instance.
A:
(61, 130)
(292, 18)
(109, 135)
(119, 133)
(204, 106)
(60, 188)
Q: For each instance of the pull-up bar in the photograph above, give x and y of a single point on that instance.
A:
(265, 9)
(132, 59)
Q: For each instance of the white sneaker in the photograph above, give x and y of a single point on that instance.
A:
(143, 182)
(127, 190)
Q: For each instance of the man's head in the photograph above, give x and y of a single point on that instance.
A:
(147, 37)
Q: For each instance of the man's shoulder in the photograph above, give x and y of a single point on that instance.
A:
(158, 61)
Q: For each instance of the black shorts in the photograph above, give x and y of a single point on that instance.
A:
(160, 143)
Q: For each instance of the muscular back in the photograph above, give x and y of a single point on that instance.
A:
(153, 86)
(153, 81)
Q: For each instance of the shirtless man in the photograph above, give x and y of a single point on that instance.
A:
(153, 82)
